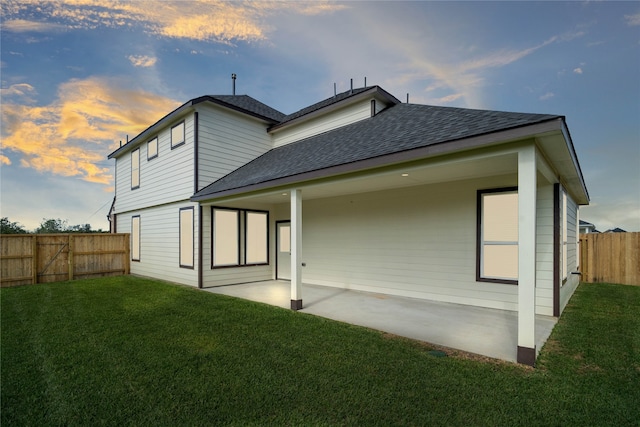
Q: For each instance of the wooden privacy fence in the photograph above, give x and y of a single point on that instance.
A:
(44, 258)
(610, 257)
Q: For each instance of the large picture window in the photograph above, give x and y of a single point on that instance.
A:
(135, 169)
(135, 238)
(498, 236)
(240, 237)
(186, 237)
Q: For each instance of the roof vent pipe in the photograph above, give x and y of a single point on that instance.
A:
(407, 97)
(233, 79)
(335, 94)
(365, 81)
(351, 91)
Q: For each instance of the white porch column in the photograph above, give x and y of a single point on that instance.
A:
(527, 189)
(296, 249)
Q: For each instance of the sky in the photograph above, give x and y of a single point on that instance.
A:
(78, 76)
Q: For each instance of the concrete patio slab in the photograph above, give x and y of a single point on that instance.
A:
(484, 331)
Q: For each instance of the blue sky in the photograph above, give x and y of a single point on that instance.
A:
(79, 76)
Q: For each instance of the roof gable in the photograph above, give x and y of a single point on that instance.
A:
(341, 98)
(400, 128)
(241, 103)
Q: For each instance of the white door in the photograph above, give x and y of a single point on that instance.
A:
(283, 258)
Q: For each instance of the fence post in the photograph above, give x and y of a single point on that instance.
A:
(34, 259)
(70, 258)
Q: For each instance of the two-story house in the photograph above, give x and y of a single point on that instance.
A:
(359, 191)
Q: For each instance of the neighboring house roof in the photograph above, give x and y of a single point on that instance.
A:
(241, 103)
(615, 230)
(398, 129)
(588, 225)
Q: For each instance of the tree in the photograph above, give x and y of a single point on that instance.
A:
(48, 226)
(8, 227)
(84, 228)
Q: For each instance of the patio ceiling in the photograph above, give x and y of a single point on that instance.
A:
(430, 171)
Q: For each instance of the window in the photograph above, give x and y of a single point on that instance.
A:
(135, 238)
(257, 233)
(498, 236)
(186, 237)
(177, 135)
(152, 149)
(135, 169)
(240, 237)
(226, 237)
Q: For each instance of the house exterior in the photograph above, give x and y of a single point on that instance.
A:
(586, 227)
(362, 192)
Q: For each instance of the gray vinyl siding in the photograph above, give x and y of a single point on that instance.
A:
(167, 178)
(544, 249)
(226, 141)
(417, 242)
(159, 243)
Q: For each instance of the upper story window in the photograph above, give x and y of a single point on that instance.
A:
(177, 135)
(152, 148)
(135, 169)
(498, 236)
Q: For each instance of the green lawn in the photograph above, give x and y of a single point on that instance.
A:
(130, 351)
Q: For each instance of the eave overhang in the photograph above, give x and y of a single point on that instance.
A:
(548, 134)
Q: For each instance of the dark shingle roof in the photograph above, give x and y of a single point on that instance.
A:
(399, 128)
(245, 103)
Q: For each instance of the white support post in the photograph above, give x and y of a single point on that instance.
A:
(296, 249)
(527, 189)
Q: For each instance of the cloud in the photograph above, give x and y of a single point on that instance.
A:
(449, 98)
(23, 26)
(547, 96)
(142, 60)
(4, 160)
(577, 70)
(72, 135)
(24, 91)
(204, 20)
(632, 20)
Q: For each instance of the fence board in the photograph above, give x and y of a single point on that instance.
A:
(43, 258)
(610, 257)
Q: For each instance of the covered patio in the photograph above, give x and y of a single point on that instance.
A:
(484, 331)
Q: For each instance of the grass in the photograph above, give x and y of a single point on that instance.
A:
(131, 351)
